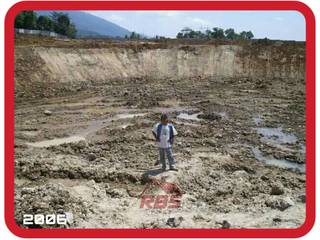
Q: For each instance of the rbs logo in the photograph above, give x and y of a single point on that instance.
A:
(172, 198)
(160, 201)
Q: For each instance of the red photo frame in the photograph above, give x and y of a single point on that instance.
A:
(160, 5)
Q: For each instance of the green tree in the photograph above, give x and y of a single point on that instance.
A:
(249, 35)
(30, 20)
(199, 34)
(186, 32)
(71, 31)
(63, 25)
(193, 34)
(231, 34)
(246, 35)
(19, 20)
(45, 23)
(208, 33)
(61, 22)
(179, 35)
(218, 33)
(243, 35)
(26, 19)
(135, 35)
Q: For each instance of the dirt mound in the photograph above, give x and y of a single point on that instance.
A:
(57, 67)
(55, 199)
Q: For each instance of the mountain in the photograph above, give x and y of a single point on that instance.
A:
(89, 25)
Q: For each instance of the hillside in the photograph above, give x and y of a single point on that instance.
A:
(90, 25)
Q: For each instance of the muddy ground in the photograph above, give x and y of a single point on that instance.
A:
(239, 150)
(88, 154)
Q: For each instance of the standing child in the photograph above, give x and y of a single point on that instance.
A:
(164, 133)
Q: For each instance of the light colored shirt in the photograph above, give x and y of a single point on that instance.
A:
(164, 135)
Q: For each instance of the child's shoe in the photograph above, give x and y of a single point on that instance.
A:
(172, 168)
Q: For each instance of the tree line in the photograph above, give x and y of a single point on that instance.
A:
(215, 33)
(133, 35)
(57, 22)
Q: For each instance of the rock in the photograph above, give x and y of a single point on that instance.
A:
(91, 183)
(192, 198)
(279, 203)
(116, 193)
(91, 157)
(302, 198)
(240, 174)
(211, 142)
(60, 211)
(218, 135)
(47, 112)
(210, 116)
(277, 219)
(41, 205)
(225, 224)
(277, 190)
(81, 144)
(224, 190)
(101, 159)
(125, 203)
(174, 222)
(27, 191)
(198, 217)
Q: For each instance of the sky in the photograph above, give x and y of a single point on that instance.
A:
(282, 25)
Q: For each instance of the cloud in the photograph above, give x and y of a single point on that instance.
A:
(200, 21)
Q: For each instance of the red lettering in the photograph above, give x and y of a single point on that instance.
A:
(174, 201)
(161, 201)
(147, 200)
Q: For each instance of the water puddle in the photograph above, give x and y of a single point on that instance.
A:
(186, 116)
(93, 126)
(125, 126)
(57, 141)
(172, 109)
(302, 148)
(128, 115)
(281, 163)
(276, 136)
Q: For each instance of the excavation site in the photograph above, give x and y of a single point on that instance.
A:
(84, 147)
